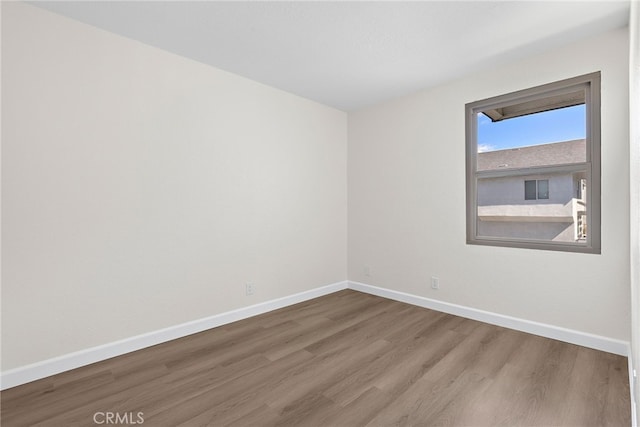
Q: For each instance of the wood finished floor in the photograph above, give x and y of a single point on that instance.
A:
(346, 359)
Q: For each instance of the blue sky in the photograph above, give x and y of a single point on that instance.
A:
(551, 126)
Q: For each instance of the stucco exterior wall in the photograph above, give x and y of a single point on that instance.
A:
(504, 212)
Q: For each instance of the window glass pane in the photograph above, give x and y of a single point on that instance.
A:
(555, 212)
(549, 211)
(530, 190)
(549, 138)
(543, 189)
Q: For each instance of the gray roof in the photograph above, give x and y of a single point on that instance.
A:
(557, 153)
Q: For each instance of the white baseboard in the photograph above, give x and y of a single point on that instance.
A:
(46, 368)
(549, 331)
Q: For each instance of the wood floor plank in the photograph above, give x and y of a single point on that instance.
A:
(320, 373)
(361, 410)
(344, 359)
(262, 416)
(432, 390)
(587, 403)
(513, 384)
(351, 387)
(335, 324)
(233, 399)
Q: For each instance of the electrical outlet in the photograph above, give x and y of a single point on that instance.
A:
(435, 283)
(367, 271)
(250, 288)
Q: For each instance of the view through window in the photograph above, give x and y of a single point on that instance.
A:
(533, 167)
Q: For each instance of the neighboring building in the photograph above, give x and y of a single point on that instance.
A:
(549, 206)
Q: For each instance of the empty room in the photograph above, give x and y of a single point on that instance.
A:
(320, 213)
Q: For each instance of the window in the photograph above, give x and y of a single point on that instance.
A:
(547, 137)
(536, 189)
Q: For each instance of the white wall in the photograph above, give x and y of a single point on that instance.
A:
(141, 190)
(407, 201)
(634, 113)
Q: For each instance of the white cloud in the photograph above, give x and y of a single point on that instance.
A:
(483, 148)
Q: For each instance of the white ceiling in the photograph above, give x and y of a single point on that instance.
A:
(351, 54)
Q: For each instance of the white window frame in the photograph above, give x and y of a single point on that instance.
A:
(590, 83)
